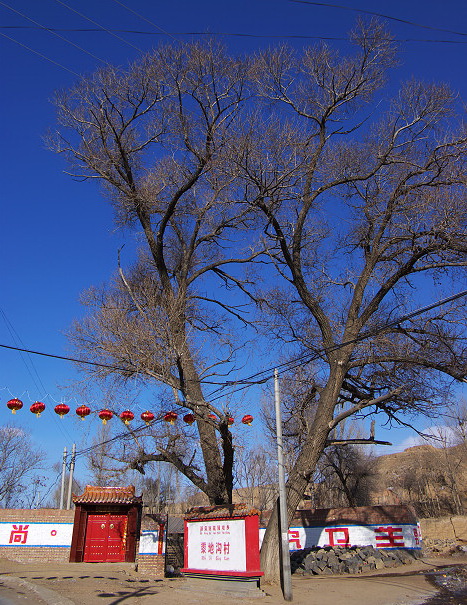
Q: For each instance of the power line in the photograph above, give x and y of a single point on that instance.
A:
(144, 19)
(41, 55)
(245, 383)
(52, 31)
(65, 358)
(99, 25)
(382, 15)
(221, 33)
(265, 375)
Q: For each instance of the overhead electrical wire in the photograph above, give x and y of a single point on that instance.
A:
(32, 370)
(41, 55)
(145, 19)
(382, 15)
(264, 375)
(98, 25)
(52, 31)
(220, 33)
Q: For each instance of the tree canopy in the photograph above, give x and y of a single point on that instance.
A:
(283, 191)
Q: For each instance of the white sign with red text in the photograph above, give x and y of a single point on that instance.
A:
(217, 545)
(396, 535)
(35, 534)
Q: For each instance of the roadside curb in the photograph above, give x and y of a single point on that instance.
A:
(45, 594)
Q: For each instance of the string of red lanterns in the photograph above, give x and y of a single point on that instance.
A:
(126, 416)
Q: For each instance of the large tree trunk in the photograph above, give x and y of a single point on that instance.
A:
(300, 476)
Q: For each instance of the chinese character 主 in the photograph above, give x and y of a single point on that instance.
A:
(19, 534)
(389, 537)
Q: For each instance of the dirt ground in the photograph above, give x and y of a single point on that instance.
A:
(115, 584)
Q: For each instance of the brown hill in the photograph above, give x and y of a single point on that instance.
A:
(433, 480)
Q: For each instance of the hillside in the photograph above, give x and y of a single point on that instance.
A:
(433, 480)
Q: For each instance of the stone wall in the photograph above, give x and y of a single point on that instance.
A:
(444, 534)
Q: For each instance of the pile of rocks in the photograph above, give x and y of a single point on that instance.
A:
(352, 560)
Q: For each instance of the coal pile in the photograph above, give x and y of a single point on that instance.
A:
(353, 560)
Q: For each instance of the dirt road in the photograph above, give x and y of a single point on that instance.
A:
(112, 584)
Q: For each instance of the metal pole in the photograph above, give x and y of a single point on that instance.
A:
(62, 487)
(70, 480)
(283, 520)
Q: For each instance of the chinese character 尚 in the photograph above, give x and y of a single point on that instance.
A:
(19, 534)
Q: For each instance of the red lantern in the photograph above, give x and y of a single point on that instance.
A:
(127, 416)
(37, 408)
(83, 411)
(171, 417)
(212, 417)
(105, 415)
(247, 419)
(189, 418)
(230, 421)
(14, 404)
(147, 417)
(61, 409)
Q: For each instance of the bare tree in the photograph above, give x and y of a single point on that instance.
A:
(256, 476)
(358, 217)
(359, 201)
(157, 135)
(19, 461)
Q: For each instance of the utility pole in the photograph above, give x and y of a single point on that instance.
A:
(284, 555)
(70, 481)
(62, 487)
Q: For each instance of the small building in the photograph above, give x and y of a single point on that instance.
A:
(106, 525)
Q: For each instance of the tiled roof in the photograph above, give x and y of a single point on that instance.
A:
(222, 511)
(107, 495)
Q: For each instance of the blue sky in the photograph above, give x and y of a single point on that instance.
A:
(57, 235)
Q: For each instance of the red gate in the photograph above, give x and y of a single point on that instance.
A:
(105, 538)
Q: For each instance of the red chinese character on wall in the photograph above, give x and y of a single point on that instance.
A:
(19, 534)
(294, 536)
(211, 548)
(389, 537)
(203, 547)
(343, 541)
(417, 536)
(226, 548)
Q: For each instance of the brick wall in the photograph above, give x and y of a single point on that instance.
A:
(361, 515)
(40, 515)
(151, 566)
(24, 553)
(445, 528)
